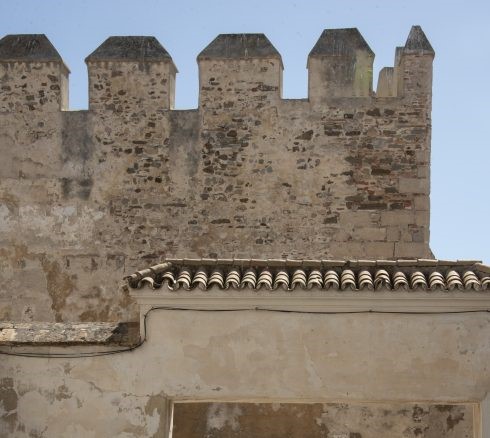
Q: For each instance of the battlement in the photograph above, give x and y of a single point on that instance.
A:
(129, 72)
(134, 71)
(86, 195)
(32, 74)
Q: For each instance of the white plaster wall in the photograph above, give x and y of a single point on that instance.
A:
(249, 356)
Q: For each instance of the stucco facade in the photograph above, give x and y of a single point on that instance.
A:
(259, 357)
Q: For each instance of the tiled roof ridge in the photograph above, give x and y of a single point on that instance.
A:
(327, 274)
(316, 262)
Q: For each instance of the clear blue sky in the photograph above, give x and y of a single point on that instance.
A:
(458, 30)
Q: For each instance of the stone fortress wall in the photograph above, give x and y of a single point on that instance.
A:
(87, 197)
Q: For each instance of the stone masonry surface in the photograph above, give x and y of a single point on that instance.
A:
(87, 197)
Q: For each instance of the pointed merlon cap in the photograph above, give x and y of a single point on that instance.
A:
(28, 48)
(240, 46)
(130, 48)
(340, 42)
(417, 42)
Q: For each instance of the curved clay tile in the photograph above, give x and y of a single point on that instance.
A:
(184, 279)
(148, 281)
(233, 279)
(216, 278)
(366, 280)
(382, 279)
(281, 280)
(298, 279)
(436, 281)
(471, 281)
(400, 281)
(315, 279)
(265, 279)
(417, 280)
(249, 279)
(454, 281)
(168, 277)
(348, 280)
(331, 280)
(200, 279)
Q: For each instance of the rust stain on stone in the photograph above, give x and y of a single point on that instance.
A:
(453, 420)
(101, 313)
(158, 403)
(59, 286)
(8, 402)
(10, 201)
(63, 393)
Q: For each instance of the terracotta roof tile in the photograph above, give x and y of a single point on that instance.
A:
(428, 275)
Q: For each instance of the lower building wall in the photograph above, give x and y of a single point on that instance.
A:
(425, 370)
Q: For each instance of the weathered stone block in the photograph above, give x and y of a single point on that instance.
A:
(414, 185)
(378, 250)
(393, 218)
(369, 233)
(393, 234)
(356, 218)
(422, 203)
(411, 250)
(422, 218)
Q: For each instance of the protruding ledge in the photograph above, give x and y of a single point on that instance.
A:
(417, 42)
(340, 42)
(45, 333)
(239, 46)
(28, 48)
(313, 301)
(130, 48)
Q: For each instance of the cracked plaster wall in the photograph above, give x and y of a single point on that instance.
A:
(400, 361)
